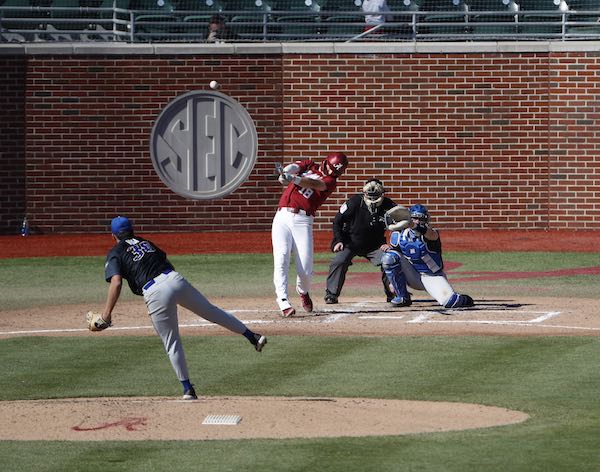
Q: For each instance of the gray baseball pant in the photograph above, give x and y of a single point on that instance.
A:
(162, 299)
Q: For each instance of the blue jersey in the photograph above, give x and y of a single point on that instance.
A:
(425, 255)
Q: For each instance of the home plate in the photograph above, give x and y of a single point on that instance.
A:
(222, 419)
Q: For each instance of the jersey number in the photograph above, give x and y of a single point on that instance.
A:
(306, 192)
(140, 249)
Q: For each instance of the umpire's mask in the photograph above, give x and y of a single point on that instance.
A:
(373, 194)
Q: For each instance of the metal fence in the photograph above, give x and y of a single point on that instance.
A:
(138, 21)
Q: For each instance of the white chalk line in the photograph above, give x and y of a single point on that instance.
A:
(335, 316)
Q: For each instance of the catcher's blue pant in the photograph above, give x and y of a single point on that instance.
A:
(162, 299)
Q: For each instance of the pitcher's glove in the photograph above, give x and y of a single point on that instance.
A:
(95, 321)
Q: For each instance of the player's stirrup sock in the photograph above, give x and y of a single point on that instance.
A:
(250, 335)
(186, 385)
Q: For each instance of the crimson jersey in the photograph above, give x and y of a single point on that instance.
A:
(307, 199)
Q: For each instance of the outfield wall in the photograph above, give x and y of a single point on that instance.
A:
(488, 135)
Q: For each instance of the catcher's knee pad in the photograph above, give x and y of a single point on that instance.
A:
(391, 261)
(392, 266)
(458, 301)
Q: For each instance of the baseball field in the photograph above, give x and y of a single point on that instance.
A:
(508, 385)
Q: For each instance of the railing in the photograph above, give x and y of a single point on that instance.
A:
(27, 24)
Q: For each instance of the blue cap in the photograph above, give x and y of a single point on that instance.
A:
(120, 224)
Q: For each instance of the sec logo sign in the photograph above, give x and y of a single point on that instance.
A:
(203, 145)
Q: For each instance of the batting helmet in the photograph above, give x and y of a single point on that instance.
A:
(419, 212)
(334, 164)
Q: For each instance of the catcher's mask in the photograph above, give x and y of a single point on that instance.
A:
(373, 194)
(334, 164)
(419, 212)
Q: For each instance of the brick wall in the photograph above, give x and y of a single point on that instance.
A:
(12, 143)
(88, 126)
(486, 140)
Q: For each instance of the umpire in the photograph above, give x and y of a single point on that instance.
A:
(359, 230)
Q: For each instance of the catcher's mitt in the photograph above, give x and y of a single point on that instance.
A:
(397, 218)
(95, 321)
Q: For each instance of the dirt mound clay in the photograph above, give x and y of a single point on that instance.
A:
(159, 418)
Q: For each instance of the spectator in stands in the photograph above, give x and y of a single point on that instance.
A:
(218, 31)
(379, 13)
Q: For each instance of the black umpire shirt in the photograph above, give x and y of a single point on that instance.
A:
(360, 230)
(137, 260)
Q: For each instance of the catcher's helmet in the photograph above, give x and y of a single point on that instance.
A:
(334, 164)
(373, 193)
(419, 212)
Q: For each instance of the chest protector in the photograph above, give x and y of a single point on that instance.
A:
(414, 248)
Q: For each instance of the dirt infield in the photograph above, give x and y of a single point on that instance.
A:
(277, 417)
(102, 419)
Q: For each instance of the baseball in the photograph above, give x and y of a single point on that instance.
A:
(214, 84)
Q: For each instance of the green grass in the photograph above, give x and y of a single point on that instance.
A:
(553, 379)
(52, 281)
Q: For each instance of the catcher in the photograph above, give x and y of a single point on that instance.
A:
(415, 258)
(150, 274)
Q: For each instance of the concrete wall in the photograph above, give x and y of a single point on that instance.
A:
(488, 135)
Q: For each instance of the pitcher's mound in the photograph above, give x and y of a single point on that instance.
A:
(161, 418)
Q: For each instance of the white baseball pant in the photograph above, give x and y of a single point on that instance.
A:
(291, 232)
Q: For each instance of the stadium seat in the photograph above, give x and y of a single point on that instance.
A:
(204, 7)
(203, 11)
(248, 18)
(341, 7)
(540, 24)
(29, 25)
(242, 7)
(153, 18)
(67, 9)
(443, 17)
(300, 27)
(295, 5)
(590, 28)
(111, 24)
(343, 27)
(492, 19)
(404, 19)
(295, 20)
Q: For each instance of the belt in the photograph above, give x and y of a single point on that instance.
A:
(296, 210)
(151, 282)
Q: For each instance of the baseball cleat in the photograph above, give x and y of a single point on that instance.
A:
(287, 312)
(260, 342)
(400, 301)
(307, 303)
(331, 299)
(190, 394)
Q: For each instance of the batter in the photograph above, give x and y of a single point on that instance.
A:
(308, 185)
(150, 274)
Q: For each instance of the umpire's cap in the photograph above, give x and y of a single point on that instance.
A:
(121, 224)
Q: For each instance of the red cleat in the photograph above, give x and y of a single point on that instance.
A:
(307, 303)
